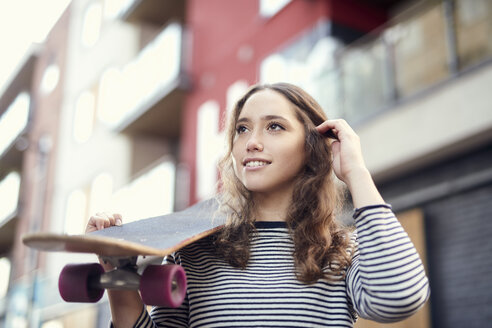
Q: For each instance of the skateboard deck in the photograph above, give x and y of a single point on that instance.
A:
(158, 236)
(122, 245)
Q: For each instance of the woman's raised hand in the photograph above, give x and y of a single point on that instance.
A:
(347, 154)
(103, 220)
(349, 165)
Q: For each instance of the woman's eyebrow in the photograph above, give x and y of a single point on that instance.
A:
(273, 117)
(243, 120)
(263, 118)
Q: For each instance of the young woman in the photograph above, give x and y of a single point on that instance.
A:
(283, 260)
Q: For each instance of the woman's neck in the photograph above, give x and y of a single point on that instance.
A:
(272, 207)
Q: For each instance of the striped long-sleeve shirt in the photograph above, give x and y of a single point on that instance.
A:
(384, 282)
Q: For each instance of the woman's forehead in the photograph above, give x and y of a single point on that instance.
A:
(267, 102)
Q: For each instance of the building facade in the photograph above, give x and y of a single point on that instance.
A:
(122, 109)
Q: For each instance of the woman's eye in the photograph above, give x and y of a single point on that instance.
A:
(275, 127)
(240, 129)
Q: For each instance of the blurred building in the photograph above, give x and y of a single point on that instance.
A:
(121, 109)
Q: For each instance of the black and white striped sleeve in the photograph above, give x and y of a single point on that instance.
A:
(386, 280)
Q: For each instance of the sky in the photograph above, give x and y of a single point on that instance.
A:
(23, 22)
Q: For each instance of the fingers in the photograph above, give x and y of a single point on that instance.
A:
(102, 220)
(118, 219)
(327, 131)
(339, 128)
(337, 124)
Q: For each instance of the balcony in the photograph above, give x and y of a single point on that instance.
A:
(14, 113)
(425, 77)
(145, 96)
(13, 124)
(156, 12)
(409, 57)
(20, 80)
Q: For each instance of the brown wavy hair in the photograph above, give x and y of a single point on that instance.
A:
(319, 241)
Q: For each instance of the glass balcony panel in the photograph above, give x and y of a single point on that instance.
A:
(365, 80)
(326, 89)
(123, 92)
(309, 62)
(9, 194)
(14, 121)
(473, 31)
(420, 51)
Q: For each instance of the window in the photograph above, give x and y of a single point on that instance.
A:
(268, 8)
(91, 27)
(9, 194)
(50, 79)
(101, 192)
(209, 147)
(234, 92)
(4, 276)
(149, 195)
(76, 215)
(52, 324)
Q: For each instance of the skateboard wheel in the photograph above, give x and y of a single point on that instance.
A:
(163, 285)
(74, 283)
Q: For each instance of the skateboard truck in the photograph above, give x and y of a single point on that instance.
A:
(160, 285)
(124, 276)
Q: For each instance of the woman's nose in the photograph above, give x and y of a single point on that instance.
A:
(254, 143)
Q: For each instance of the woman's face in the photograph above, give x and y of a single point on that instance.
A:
(268, 149)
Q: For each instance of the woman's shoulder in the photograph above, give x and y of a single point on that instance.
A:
(202, 245)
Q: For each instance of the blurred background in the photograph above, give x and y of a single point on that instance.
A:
(118, 105)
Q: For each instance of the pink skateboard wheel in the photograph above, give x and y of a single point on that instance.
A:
(74, 283)
(163, 285)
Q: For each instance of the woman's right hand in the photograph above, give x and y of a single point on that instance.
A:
(102, 221)
(126, 305)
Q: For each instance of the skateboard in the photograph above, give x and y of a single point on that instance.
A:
(122, 246)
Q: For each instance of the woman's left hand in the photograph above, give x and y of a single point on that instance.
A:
(349, 165)
(348, 162)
